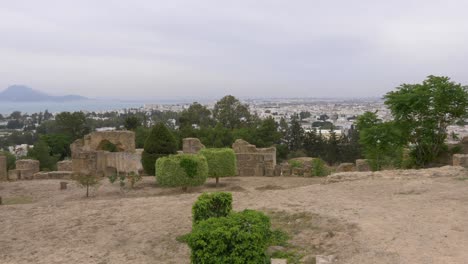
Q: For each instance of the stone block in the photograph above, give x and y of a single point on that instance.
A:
(460, 160)
(192, 145)
(362, 165)
(28, 164)
(65, 175)
(345, 167)
(13, 175)
(65, 165)
(278, 170)
(322, 259)
(41, 175)
(278, 261)
(26, 174)
(3, 168)
(285, 169)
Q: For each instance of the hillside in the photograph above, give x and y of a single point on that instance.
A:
(21, 93)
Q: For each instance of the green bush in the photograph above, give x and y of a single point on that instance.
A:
(295, 164)
(221, 162)
(319, 168)
(159, 143)
(217, 204)
(182, 170)
(238, 238)
(11, 159)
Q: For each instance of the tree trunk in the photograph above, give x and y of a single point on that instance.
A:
(87, 190)
(217, 181)
(184, 189)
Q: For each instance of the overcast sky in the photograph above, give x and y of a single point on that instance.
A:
(209, 48)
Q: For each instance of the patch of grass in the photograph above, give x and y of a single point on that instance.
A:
(269, 187)
(292, 256)
(183, 238)
(18, 200)
(462, 178)
(279, 238)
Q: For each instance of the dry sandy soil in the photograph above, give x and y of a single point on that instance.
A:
(386, 217)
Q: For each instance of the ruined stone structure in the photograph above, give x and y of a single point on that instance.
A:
(65, 165)
(253, 161)
(25, 170)
(460, 160)
(89, 156)
(191, 145)
(362, 165)
(3, 168)
(345, 167)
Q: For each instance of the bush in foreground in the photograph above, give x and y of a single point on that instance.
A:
(182, 170)
(221, 162)
(237, 238)
(217, 204)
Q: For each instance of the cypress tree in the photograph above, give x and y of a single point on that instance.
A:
(160, 142)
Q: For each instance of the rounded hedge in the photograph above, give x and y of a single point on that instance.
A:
(237, 238)
(182, 170)
(221, 162)
(216, 204)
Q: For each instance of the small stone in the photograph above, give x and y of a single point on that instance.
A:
(279, 261)
(322, 259)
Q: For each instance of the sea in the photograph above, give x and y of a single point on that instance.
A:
(97, 105)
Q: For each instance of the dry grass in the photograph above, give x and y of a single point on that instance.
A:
(18, 200)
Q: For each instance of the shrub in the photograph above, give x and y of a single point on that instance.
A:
(238, 238)
(11, 159)
(182, 170)
(217, 204)
(221, 162)
(295, 164)
(319, 168)
(86, 180)
(159, 143)
(131, 177)
(106, 145)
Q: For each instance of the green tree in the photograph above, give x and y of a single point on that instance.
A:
(141, 134)
(161, 142)
(86, 180)
(11, 159)
(196, 114)
(41, 152)
(267, 134)
(59, 145)
(382, 142)
(72, 124)
(231, 112)
(132, 122)
(296, 135)
(423, 112)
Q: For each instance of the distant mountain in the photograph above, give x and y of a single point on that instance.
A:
(21, 93)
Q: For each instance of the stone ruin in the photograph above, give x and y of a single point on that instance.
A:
(253, 161)
(362, 165)
(460, 160)
(3, 168)
(65, 165)
(89, 154)
(191, 145)
(25, 170)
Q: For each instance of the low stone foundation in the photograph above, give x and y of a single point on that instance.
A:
(460, 160)
(253, 161)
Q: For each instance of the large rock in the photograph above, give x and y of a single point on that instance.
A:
(460, 160)
(345, 167)
(3, 168)
(191, 145)
(65, 165)
(362, 165)
(28, 164)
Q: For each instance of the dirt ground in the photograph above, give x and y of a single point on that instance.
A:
(386, 217)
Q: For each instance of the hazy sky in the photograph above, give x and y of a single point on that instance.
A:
(209, 48)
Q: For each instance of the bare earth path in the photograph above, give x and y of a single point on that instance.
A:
(394, 217)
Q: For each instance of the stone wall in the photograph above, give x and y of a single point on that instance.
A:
(65, 165)
(123, 140)
(89, 157)
(460, 160)
(3, 168)
(191, 145)
(125, 162)
(253, 161)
